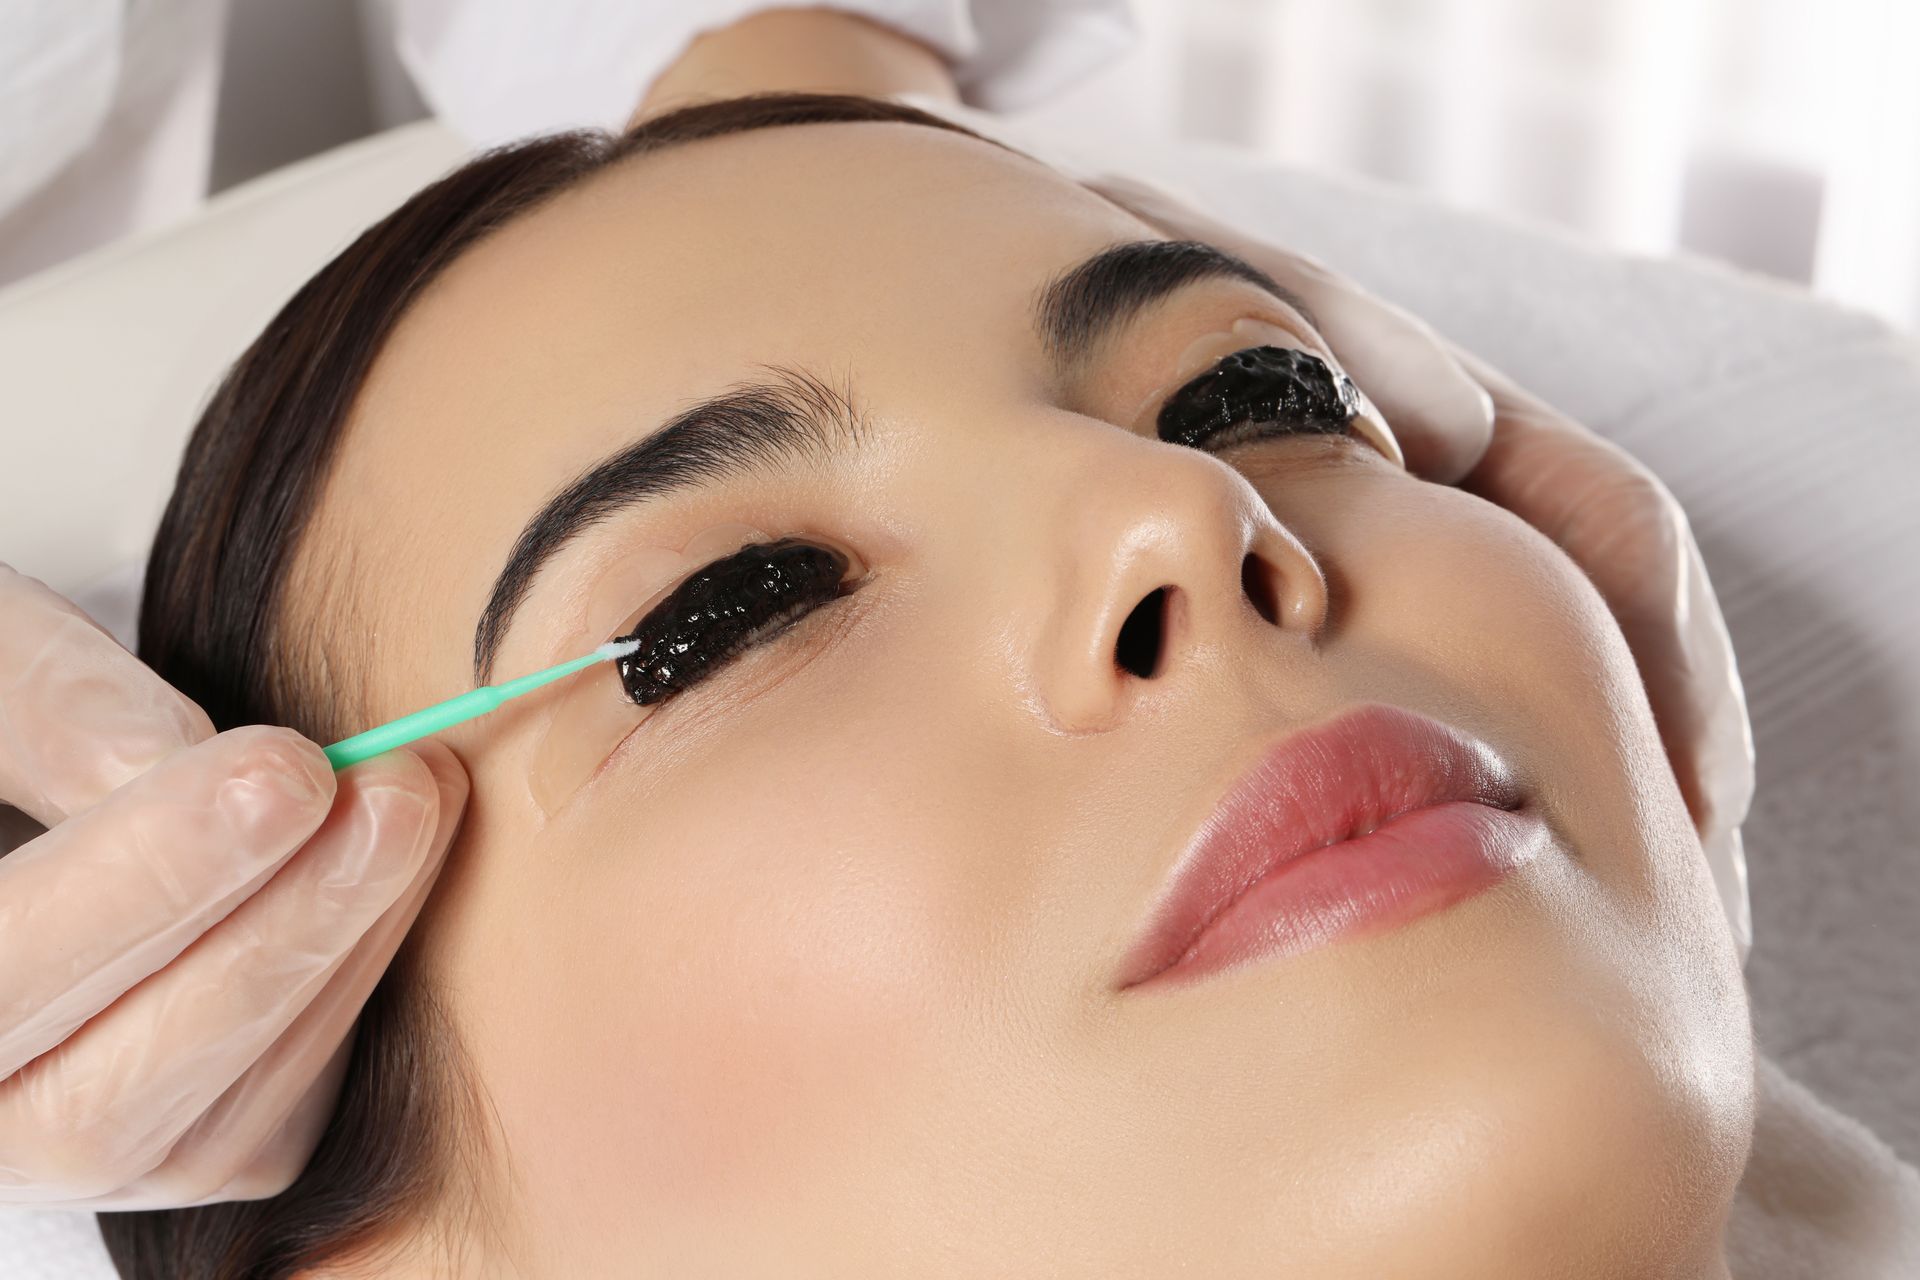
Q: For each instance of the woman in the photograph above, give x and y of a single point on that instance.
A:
(857, 940)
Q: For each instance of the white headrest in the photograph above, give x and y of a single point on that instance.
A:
(106, 361)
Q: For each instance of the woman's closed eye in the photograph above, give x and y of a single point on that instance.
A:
(727, 608)
(748, 612)
(1262, 392)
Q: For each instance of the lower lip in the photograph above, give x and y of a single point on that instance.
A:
(1421, 862)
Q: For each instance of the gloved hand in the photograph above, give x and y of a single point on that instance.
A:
(1611, 515)
(1618, 522)
(183, 953)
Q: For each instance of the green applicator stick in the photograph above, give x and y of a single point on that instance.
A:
(475, 702)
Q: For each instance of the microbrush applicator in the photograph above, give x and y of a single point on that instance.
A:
(468, 706)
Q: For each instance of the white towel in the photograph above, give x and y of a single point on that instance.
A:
(1822, 1198)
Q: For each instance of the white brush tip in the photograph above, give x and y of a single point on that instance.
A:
(617, 648)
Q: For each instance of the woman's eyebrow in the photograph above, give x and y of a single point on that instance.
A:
(1087, 303)
(792, 416)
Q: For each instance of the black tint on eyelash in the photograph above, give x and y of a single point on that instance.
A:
(1291, 392)
(724, 609)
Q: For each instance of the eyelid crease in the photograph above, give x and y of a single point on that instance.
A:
(1075, 311)
(701, 552)
(1206, 353)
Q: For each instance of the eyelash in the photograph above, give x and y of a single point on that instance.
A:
(702, 626)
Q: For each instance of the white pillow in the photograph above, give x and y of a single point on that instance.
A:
(105, 361)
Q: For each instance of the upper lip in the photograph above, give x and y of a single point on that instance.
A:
(1320, 785)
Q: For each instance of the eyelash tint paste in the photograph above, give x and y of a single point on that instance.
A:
(722, 610)
(1267, 391)
(686, 630)
(1291, 392)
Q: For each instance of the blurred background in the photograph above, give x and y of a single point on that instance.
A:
(1781, 136)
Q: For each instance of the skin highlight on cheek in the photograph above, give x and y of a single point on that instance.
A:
(747, 1019)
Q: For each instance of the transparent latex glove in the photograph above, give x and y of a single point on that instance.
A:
(1623, 526)
(184, 951)
(1460, 421)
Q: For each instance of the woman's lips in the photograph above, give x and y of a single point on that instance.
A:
(1358, 824)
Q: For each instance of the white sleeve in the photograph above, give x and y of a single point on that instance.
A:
(59, 67)
(494, 70)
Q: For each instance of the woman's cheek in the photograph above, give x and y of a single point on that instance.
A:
(750, 977)
(1465, 602)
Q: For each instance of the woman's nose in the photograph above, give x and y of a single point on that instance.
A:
(1171, 557)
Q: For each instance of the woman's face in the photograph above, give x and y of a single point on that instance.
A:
(815, 967)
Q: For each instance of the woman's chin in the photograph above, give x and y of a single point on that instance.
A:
(1520, 1091)
(1556, 1138)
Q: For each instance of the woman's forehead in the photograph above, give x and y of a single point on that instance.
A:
(665, 271)
(751, 236)
(864, 249)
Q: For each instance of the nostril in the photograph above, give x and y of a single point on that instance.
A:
(1257, 581)
(1138, 649)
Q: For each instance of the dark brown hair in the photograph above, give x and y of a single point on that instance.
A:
(213, 622)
